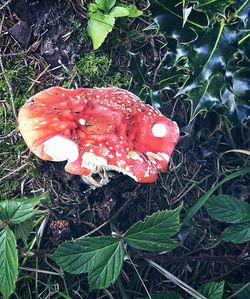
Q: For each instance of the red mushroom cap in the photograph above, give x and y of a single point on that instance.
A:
(98, 129)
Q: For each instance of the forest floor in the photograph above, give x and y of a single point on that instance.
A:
(44, 43)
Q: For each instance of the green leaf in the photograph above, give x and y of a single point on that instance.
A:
(8, 262)
(209, 57)
(213, 8)
(242, 288)
(202, 200)
(119, 11)
(154, 232)
(133, 11)
(105, 5)
(100, 257)
(98, 28)
(169, 17)
(92, 8)
(212, 290)
(22, 230)
(19, 210)
(236, 233)
(209, 65)
(228, 209)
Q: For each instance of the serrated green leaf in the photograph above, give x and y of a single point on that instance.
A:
(100, 257)
(211, 78)
(133, 11)
(212, 290)
(98, 28)
(202, 200)
(8, 262)
(18, 210)
(236, 233)
(154, 232)
(228, 209)
(119, 11)
(212, 8)
(22, 230)
(105, 5)
(209, 57)
(244, 289)
(169, 16)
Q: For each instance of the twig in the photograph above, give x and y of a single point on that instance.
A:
(5, 4)
(176, 281)
(158, 67)
(106, 222)
(13, 172)
(225, 259)
(9, 87)
(38, 77)
(138, 274)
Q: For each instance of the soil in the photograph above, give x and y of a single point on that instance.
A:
(40, 29)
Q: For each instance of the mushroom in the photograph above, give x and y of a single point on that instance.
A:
(96, 130)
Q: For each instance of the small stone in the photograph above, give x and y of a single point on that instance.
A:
(21, 31)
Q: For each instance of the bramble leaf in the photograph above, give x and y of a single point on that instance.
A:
(236, 233)
(8, 262)
(153, 234)
(212, 290)
(228, 209)
(22, 230)
(100, 257)
(19, 210)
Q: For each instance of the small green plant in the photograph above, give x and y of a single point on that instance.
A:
(228, 209)
(102, 14)
(15, 223)
(102, 257)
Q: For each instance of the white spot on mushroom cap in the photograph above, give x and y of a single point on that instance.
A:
(82, 121)
(61, 149)
(159, 130)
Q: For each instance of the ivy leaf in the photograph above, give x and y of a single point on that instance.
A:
(8, 262)
(100, 257)
(236, 233)
(154, 232)
(98, 28)
(19, 210)
(105, 5)
(228, 209)
(133, 11)
(212, 290)
(119, 11)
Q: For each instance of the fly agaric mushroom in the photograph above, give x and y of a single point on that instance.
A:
(96, 130)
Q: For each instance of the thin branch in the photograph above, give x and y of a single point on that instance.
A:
(9, 87)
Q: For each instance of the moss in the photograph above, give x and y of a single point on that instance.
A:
(12, 147)
(79, 34)
(98, 71)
